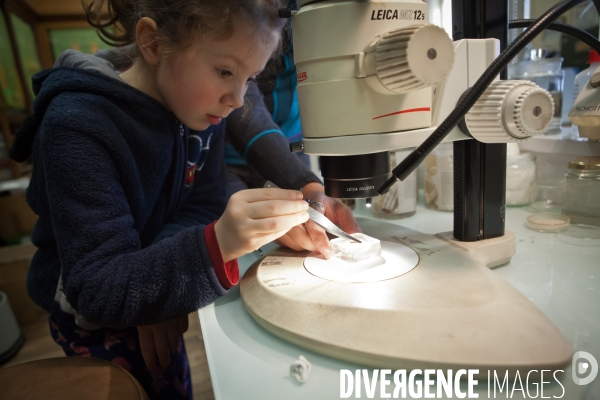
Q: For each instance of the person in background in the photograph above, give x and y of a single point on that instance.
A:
(129, 182)
(257, 147)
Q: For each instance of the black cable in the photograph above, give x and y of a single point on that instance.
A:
(408, 165)
(580, 34)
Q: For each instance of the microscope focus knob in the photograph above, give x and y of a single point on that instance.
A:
(413, 58)
(296, 147)
(510, 111)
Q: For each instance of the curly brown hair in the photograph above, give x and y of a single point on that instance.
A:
(179, 21)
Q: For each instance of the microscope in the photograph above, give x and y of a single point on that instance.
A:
(374, 77)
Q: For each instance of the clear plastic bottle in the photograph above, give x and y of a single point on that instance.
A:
(401, 200)
(439, 178)
(520, 172)
(582, 79)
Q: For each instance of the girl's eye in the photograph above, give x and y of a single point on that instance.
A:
(224, 73)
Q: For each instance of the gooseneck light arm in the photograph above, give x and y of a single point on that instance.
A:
(408, 165)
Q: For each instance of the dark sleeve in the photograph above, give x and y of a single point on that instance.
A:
(106, 276)
(254, 134)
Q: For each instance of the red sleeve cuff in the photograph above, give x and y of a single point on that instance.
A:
(227, 273)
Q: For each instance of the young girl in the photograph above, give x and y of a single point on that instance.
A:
(129, 183)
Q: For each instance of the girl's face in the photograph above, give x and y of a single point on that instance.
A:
(205, 83)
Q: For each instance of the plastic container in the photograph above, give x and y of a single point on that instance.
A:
(520, 172)
(581, 191)
(401, 200)
(582, 79)
(439, 178)
(548, 74)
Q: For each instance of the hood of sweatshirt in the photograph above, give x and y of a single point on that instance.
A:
(75, 72)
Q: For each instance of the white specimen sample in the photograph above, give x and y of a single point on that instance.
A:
(352, 252)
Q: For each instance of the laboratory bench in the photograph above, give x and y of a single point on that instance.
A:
(560, 278)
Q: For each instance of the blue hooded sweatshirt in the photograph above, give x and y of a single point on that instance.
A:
(123, 192)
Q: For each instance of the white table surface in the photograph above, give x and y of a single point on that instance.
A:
(247, 362)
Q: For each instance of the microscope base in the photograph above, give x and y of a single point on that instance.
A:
(489, 252)
(449, 312)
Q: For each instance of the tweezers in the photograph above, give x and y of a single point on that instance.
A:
(329, 226)
(320, 219)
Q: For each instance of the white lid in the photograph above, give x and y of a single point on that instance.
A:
(512, 149)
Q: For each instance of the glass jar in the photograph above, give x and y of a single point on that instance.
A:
(439, 178)
(548, 74)
(581, 191)
(520, 172)
(401, 200)
(546, 195)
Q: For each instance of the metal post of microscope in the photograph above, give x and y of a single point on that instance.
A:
(479, 168)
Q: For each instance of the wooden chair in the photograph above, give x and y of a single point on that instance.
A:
(69, 378)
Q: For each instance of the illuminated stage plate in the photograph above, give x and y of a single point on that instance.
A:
(398, 260)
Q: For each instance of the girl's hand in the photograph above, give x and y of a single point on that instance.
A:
(160, 340)
(255, 217)
(312, 237)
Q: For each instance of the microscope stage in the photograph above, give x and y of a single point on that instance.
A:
(396, 259)
(450, 311)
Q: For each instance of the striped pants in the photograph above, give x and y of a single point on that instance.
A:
(121, 347)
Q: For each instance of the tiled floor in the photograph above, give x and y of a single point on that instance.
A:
(39, 345)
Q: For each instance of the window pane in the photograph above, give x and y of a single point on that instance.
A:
(10, 84)
(27, 48)
(85, 40)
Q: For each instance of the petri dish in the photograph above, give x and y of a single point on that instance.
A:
(580, 235)
(547, 222)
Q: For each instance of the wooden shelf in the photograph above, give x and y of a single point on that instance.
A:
(61, 8)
